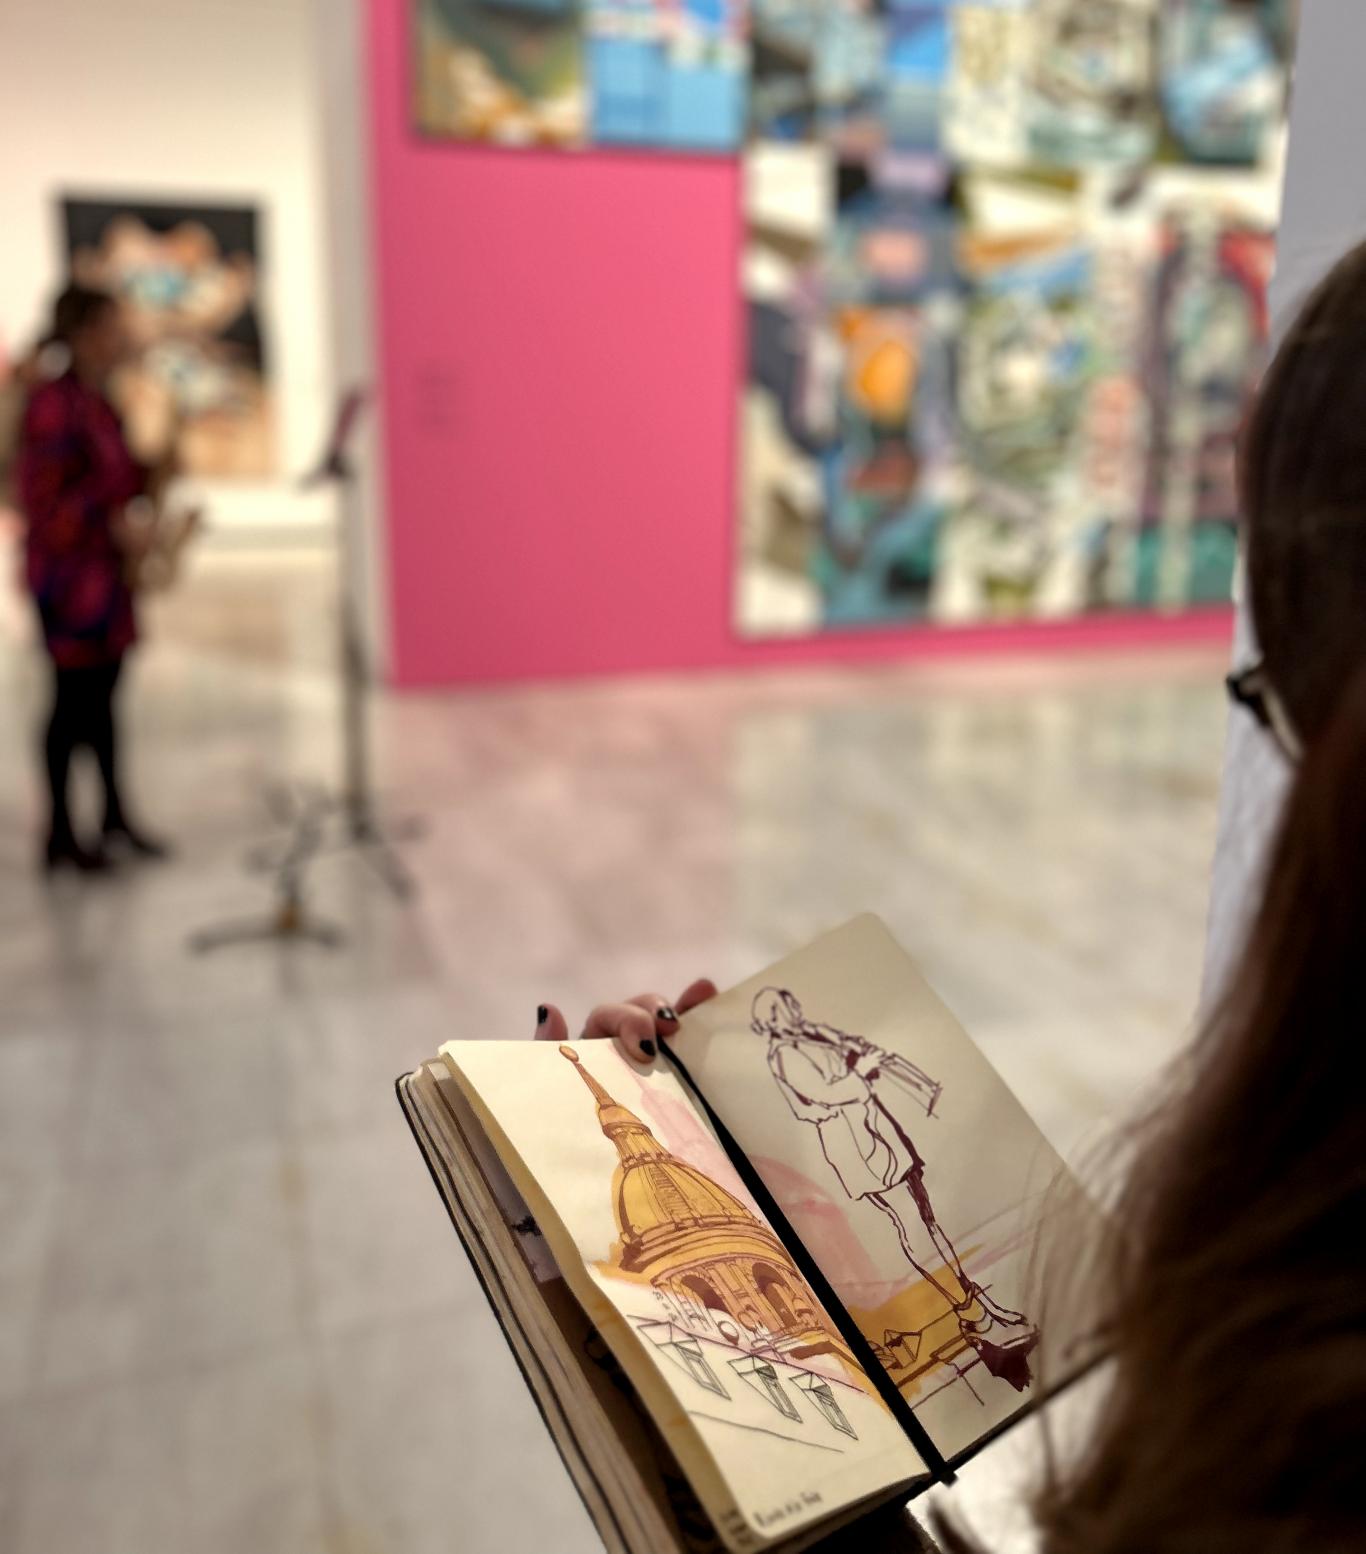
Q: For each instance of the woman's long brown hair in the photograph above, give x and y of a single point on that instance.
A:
(1233, 1286)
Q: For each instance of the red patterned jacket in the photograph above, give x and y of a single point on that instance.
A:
(75, 472)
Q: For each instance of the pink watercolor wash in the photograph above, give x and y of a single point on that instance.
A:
(674, 1123)
(823, 1226)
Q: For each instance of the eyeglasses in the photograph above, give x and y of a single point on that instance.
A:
(1251, 689)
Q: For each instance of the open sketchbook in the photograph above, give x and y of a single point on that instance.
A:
(771, 1282)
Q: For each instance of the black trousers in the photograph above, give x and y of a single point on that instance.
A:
(82, 714)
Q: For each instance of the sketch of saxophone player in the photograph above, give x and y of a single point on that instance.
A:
(861, 1100)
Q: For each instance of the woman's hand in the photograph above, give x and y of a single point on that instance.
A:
(169, 465)
(134, 533)
(633, 1025)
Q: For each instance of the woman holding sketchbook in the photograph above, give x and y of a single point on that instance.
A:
(1233, 1285)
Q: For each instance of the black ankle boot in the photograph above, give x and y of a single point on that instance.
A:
(1008, 1361)
(120, 836)
(63, 851)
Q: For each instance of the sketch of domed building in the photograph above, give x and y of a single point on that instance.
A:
(712, 1262)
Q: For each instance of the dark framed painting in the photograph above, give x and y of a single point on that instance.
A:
(188, 278)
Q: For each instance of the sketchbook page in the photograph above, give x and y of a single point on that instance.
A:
(910, 1172)
(771, 1418)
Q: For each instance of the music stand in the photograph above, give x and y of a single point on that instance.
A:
(307, 813)
(361, 821)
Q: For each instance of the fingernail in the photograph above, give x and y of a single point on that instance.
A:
(648, 1048)
(542, 1014)
(667, 1012)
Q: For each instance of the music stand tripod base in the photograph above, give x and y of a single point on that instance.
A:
(288, 925)
(290, 922)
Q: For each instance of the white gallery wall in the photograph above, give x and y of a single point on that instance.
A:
(1323, 215)
(195, 100)
(340, 34)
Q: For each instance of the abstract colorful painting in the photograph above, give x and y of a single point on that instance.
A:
(662, 74)
(1005, 273)
(189, 281)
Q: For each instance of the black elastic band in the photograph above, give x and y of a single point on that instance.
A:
(940, 1470)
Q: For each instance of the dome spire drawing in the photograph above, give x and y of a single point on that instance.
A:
(635, 1143)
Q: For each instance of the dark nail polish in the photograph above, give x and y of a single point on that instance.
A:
(542, 1014)
(648, 1048)
(667, 1013)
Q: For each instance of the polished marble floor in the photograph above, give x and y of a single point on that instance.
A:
(232, 1316)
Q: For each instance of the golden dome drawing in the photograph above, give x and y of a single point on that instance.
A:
(712, 1259)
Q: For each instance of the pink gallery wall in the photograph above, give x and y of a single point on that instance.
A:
(560, 343)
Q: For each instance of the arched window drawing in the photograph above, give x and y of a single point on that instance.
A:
(772, 1286)
(706, 1295)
